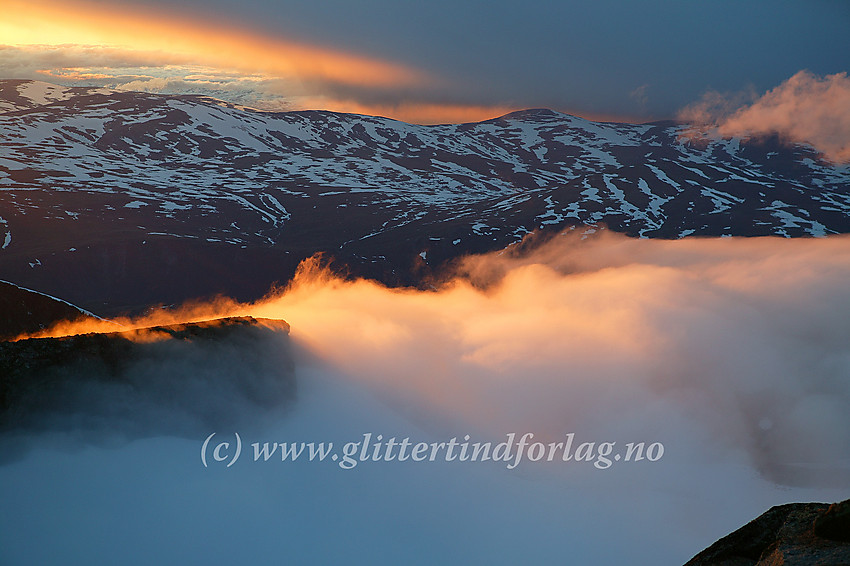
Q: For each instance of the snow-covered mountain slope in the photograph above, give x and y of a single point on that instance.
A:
(88, 177)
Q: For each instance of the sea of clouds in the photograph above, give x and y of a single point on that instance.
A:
(731, 352)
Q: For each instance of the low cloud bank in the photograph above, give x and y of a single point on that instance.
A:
(741, 341)
(732, 353)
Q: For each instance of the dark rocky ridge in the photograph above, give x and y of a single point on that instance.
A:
(180, 380)
(796, 534)
(25, 312)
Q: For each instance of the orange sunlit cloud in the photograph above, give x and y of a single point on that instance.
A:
(805, 108)
(76, 74)
(73, 42)
(76, 42)
(435, 113)
(75, 23)
(545, 337)
(413, 112)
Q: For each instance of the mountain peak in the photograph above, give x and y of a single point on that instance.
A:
(535, 115)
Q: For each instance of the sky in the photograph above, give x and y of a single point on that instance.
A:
(430, 62)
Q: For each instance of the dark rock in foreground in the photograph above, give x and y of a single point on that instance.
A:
(834, 524)
(180, 380)
(796, 534)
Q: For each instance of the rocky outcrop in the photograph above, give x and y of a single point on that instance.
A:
(834, 524)
(25, 311)
(180, 380)
(796, 534)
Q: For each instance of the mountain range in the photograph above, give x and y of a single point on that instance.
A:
(119, 200)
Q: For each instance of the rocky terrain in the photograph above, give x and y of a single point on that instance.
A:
(796, 534)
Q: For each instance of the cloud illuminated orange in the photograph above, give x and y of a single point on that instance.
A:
(806, 108)
(76, 23)
(74, 42)
(414, 112)
(437, 113)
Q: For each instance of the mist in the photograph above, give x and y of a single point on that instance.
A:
(732, 353)
(745, 339)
